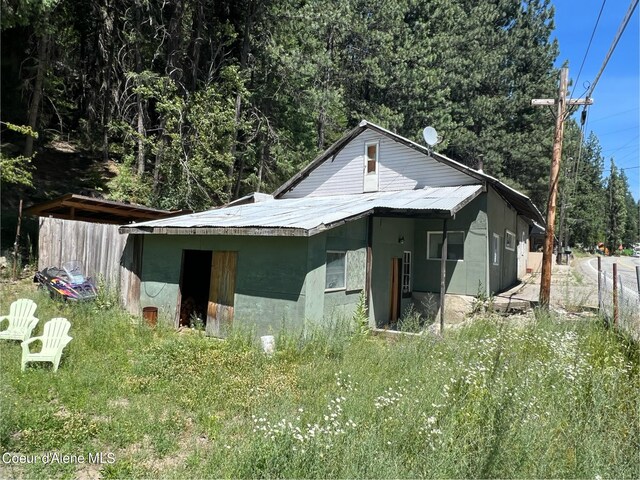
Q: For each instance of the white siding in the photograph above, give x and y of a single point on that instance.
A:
(401, 168)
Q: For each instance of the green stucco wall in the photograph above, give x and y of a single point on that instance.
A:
(271, 272)
(502, 217)
(464, 277)
(280, 280)
(349, 237)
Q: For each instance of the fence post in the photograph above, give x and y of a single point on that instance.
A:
(599, 283)
(621, 303)
(615, 294)
(638, 279)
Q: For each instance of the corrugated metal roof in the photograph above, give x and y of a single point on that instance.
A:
(99, 210)
(309, 215)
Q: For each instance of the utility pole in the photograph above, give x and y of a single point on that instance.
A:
(562, 102)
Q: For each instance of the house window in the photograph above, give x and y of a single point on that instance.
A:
(336, 270)
(510, 240)
(455, 245)
(406, 272)
(371, 157)
(495, 249)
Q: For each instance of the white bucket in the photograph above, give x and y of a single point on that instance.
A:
(268, 344)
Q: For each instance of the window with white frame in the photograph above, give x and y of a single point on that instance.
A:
(371, 157)
(336, 269)
(455, 245)
(406, 272)
(495, 249)
(509, 240)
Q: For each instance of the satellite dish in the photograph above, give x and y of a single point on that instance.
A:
(430, 136)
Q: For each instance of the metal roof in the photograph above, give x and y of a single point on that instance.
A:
(519, 201)
(98, 210)
(310, 215)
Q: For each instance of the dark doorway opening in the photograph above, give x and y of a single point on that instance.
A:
(195, 281)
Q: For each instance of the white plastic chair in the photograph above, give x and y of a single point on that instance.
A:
(21, 320)
(54, 338)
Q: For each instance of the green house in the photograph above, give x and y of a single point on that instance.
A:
(371, 214)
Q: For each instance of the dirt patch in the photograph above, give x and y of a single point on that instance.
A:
(88, 471)
(119, 403)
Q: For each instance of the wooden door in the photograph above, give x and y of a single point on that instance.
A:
(222, 291)
(396, 268)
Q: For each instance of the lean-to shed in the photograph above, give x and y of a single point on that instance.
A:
(77, 227)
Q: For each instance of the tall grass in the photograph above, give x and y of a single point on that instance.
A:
(551, 399)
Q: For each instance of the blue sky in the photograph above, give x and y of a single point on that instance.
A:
(615, 115)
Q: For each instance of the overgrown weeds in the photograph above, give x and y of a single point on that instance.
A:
(553, 398)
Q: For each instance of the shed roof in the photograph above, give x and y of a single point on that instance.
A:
(310, 215)
(98, 210)
(519, 201)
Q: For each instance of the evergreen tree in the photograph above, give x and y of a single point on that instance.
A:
(153, 85)
(631, 233)
(586, 221)
(616, 208)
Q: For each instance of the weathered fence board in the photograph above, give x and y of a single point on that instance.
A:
(105, 254)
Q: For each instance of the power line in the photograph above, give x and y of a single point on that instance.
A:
(624, 168)
(620, 130)
(623, 25)
(614, 115)
(588, 47)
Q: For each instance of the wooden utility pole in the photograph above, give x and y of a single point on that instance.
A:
(547, 253)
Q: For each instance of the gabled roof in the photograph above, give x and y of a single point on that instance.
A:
(89, 209)
(520, 202)
(310, 215)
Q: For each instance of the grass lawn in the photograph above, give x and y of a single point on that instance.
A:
(553, 398)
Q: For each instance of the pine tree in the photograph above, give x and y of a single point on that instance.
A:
(616, 209)
(586, 219)
(631, 233)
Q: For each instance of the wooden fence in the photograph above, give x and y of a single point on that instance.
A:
(107, 255)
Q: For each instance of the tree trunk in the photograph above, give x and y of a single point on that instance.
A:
(322, 119)
(174, 41)
(139, 102)
(240, 169)
(141, 135)
(159, 158)
(234, 146)
(322, 115)
(196, 42)
(244, 56)
(263, 160)
(43, 60)
(105, 43)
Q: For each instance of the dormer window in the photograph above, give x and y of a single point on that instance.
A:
(371, 167)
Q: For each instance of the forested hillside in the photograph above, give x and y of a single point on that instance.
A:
(195, 102)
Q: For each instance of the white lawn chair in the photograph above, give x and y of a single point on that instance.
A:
(54, 338)
(21, 320)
